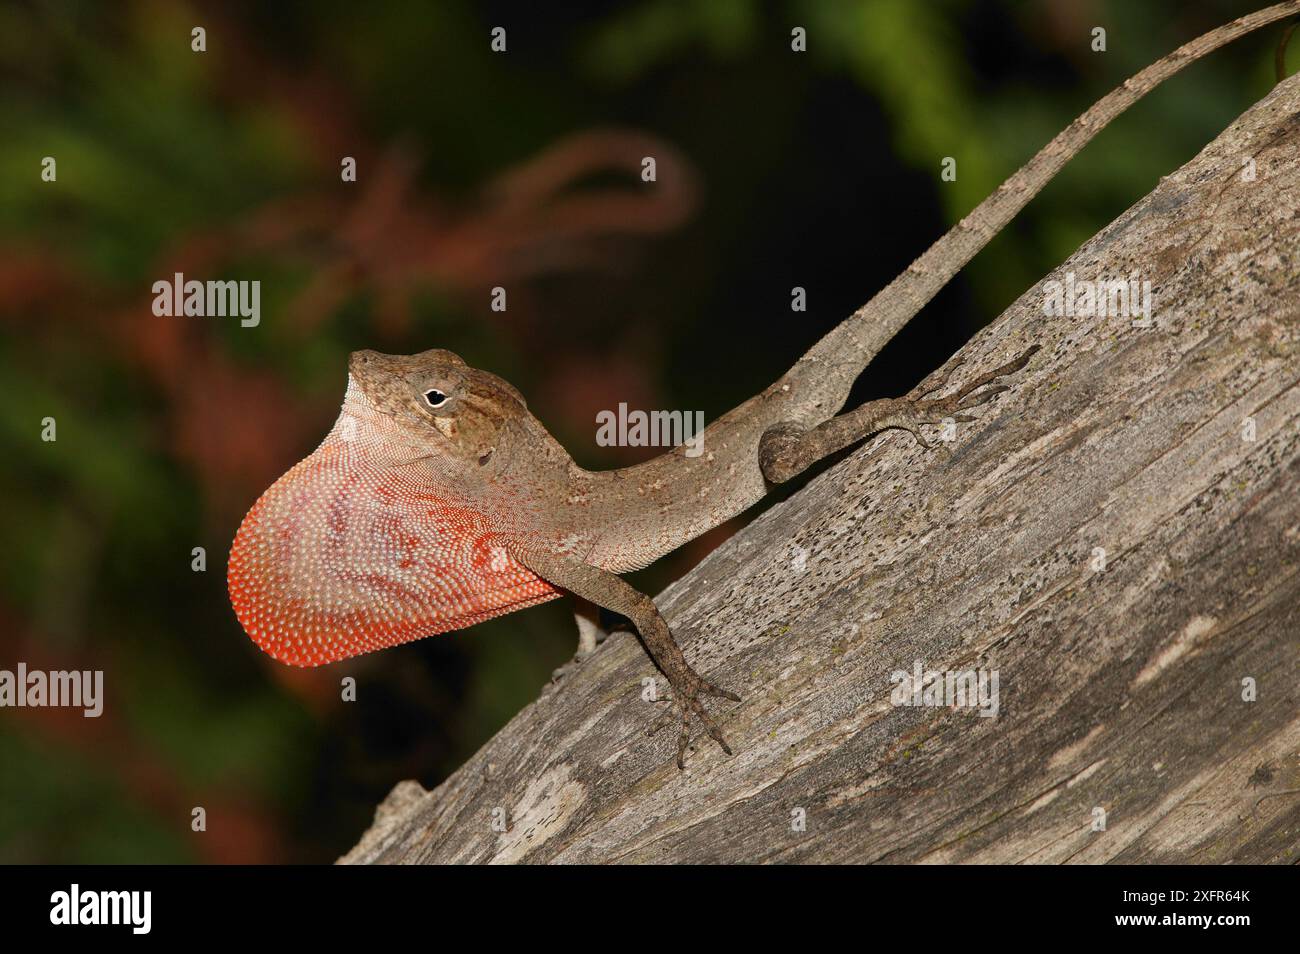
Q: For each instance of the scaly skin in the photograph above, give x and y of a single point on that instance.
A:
(420, 514)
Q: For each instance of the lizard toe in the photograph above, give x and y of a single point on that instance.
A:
(709, 689)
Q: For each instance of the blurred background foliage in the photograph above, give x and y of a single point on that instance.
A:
(474, 169)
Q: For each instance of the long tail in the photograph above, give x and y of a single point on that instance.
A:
(830, 367)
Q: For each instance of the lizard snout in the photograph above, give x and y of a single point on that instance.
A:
(361, 359)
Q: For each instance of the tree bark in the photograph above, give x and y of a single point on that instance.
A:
(1118, 536)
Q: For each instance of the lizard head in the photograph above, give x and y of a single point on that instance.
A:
(396, 526)
(439, 402)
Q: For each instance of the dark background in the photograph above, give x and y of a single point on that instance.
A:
(476, 169)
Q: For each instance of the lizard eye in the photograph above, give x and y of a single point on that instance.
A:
(435, 398)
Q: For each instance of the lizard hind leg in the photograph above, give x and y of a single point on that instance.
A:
(786, 450)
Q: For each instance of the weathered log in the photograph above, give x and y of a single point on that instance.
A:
(1118, 537)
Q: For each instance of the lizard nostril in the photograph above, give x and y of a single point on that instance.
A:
(487, 456)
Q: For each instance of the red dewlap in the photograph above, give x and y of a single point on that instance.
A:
(340, 557)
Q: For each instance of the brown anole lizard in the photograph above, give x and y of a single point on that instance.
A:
(437, 500)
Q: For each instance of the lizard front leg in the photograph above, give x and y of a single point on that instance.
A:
(786, 450)
(591, 634)
(612, 592)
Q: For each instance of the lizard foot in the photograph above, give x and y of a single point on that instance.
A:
(582, 654)
(786, 449)
(686, 702)
(912, 413)
(559, 672)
